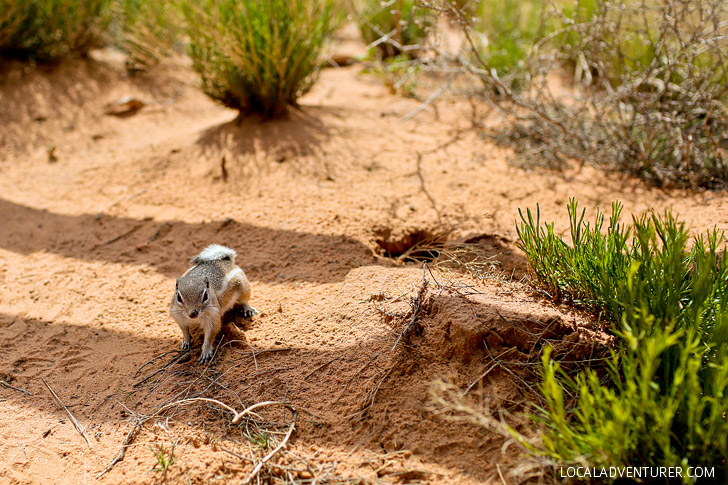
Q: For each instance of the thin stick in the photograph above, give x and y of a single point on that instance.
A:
(154, 359)
(320, 367)
(355, 375)
(120, 456)
(258, 352)
(73, 420)
(275, 465)
(159, 230)
(424, 188)
(416, 303)
(238, 455)
(424, 105)
(223, 170)
(7, 385)
(123, 199)
(481, 377)
(176, 359)
(120, 236)
(496, 363)
(500, 474)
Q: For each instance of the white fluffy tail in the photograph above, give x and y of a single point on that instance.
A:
(214, 252)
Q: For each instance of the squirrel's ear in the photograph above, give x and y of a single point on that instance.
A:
(207, 282)
(176, 284)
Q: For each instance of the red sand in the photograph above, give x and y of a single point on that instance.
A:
(91, 244)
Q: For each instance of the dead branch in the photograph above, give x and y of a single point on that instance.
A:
(417, 303)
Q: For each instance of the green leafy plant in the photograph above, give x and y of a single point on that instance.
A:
(663, 398)
(48, 30)
(394, 27)
(164, 460)
(258, 56)
(585, 273)
(260, 439)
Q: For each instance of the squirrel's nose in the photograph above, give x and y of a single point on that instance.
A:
(194, 313)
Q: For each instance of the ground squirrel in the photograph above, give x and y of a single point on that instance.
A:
(211, 287)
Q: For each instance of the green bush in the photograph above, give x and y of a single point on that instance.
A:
(585, 273)
(257, 56)
(396, 26)
(149, 30)
(664, 396)
(48, 30)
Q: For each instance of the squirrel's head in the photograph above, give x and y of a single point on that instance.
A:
(192, 299)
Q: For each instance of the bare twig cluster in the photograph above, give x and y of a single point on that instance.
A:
(649, 94)
(473, 259)
(237, 417)
(205, 389)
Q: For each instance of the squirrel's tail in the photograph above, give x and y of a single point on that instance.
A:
(214, 252)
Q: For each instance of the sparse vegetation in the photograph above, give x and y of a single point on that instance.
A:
(150, 30)
(394, 27)
(662, 401)
(258, 56)
(653, 77)
(649, 97)
(399, 73)
(48, 30)
(509, 29)
(260, 440)
(164, 460)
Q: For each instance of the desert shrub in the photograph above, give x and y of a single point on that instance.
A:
(257, 56)
(663, 399)
(47, 30)
(650, 93)
(654, 77)
(149, 30)
(394, 27)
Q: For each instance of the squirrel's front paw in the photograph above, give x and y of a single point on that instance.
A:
(248, 312)
(205, 358)
(185, 346)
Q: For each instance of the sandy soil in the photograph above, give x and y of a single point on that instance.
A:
(99, 214)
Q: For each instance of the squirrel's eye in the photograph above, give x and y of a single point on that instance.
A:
(179, 297)
(204, 296)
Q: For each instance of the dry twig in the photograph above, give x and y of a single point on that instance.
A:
(8, 386)
(73, 419)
